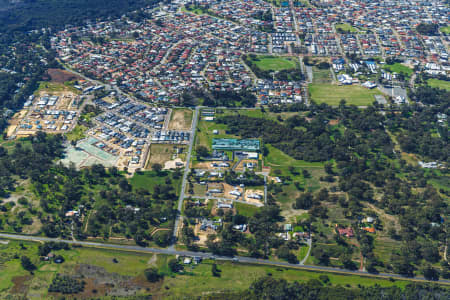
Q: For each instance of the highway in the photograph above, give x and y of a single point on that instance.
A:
(185, 175)
(205, 255)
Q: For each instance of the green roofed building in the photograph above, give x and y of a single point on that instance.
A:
(250, 145)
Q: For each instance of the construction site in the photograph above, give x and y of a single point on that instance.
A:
(47, 111)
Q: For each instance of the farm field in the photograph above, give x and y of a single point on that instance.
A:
(333, 94)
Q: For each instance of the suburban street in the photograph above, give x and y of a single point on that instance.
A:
(185, 175)
(206, 255)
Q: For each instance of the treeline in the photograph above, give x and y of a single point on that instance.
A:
(123, 211)
(31, 15)
(314, 144)
(28, 162)
(218, 98)
(271, 288)
(428, 29)
(367, 168)
(418, 129)
(430, 95)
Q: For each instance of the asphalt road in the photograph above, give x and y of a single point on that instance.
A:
(185, 175)
(237, 259)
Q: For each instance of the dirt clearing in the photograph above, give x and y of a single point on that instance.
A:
(61, 76)
(181, 119)
(163, 153)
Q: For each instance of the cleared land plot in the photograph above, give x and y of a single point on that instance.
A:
(61, 76)
(442, 84)
(53, 87)
(399, 68)
(321, 75)
(161, 154)
(181, 119)
(274, 63)
(333, 94)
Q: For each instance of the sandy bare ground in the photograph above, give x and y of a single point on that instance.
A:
(181, 119)
(207, 165)
(240, 167)
(172, 164)
(252, 200)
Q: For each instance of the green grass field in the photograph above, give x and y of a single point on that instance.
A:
(246, 209)
(321, 76)
(238, 277)
(280, 163)
(77, 133)
(399, 68)
(52, 87)
(445, 29)
(196, 280)
(278, 159)
(149, 179)
(442, 84)
(205, 134)
(266, 62)
(346, 27)
(333, 94)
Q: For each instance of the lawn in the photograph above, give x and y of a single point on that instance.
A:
(442, 84)
(346, 27)
(445, 29)
(333, 94)
(77, 133)
(245, 209)
(399, 68)
(274, 63)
